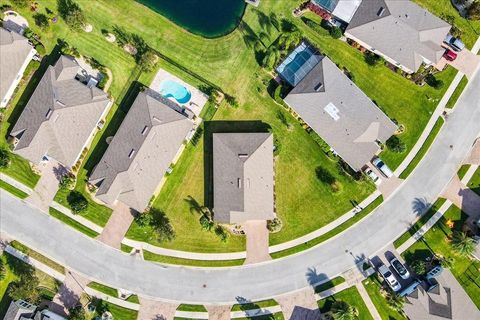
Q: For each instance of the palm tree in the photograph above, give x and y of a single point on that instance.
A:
(274, 21)
(343, 311)
(395, 302)
(462, 244)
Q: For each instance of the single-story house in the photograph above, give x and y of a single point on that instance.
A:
(243, 178)
(334, 107)
(150, 137)
(400, 31)
(15, 55)
(61, 117)
(439, 299)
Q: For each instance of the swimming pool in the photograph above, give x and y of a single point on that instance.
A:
(173, 89)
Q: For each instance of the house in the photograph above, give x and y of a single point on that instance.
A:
(243, 177)
(22, 310)
(15, 54)
(340, 9)
(440, 298)
(61, 117)
(334, 107)
(147, 142)
(400, 31)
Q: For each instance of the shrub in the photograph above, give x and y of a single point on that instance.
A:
(221, 232)
(77, 202)
(26, 288)
(372, 59)
(148, 60)
(274, 225)
(71, 12)
(394, 144)
(474, 11)
(4, 158)
(433, 82)
(67, 181)
(41, 20)
(419, 267)
(206, 223)
(103, 81)
(77, 313)
(335, 32)
(40, 49)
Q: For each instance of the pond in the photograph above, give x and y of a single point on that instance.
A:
(208, 18)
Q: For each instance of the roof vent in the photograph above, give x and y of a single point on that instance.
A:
(381, 11)
(144, 130)
(243, 155)
(318, 87)
(239, 183)
(132, 153)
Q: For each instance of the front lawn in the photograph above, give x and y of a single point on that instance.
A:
(72, 223)
(373, 287)
(457, 93)
(436, 240)
(350, 296)
(37, 256)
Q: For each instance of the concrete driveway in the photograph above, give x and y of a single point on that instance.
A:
(257, 241)
(388, 185)
(117, 226)
(466, 62)
(47, 186)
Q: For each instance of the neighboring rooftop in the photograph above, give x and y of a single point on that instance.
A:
(342, 9)
(448, 300)
(141, 151)
(20, 310)
(343, 116)
(60, 116)
(400, 30)
(14, 50)
(243, 177)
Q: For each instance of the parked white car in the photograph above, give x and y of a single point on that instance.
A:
(389, 277)
(382, 167)
(400, 268)
(372, 175)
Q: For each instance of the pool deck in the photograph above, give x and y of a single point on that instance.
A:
(196, 103)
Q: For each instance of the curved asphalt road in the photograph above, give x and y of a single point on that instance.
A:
(102, 263)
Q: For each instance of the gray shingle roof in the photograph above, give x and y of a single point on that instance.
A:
(401, 30)
(19, 309)
(60, 115)
(14, 49)
(340, 113)
(243, 177)
(141, 151)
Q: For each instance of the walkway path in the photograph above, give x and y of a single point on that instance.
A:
(15, 183)
(299, 305)
(117, 226)
(366, 298)
(257, 241)
(155, 310)
(219, 312)
(46, 188)
(71, 290)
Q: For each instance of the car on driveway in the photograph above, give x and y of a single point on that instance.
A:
(400, 268)
(372, 175)
(455, 43)
(450, 55)
(389, 278)
(382, 167)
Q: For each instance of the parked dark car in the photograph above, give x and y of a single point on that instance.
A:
(455, 43)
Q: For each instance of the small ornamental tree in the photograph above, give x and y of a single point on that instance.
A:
(474, 11)
(419, 267)
(274, 225)
(26, 288)
(4, 158)
(462, 244)
(41, 20)
(76, 313)
(335, 32)
(71, 12)
(394, 144)
(77, 202)
(343, 311)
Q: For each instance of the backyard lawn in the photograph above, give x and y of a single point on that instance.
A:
(230, 64)
(350, 296)
(436, 240)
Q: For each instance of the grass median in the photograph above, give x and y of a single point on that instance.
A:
(11, 189)
(457, 93)
(72, 223)
(37, 256)
(147, 255)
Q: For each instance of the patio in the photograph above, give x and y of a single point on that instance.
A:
(198, 98)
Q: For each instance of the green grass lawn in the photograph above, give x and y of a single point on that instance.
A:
(37, 256)
(423, 149)
(331, 233)
(373, 286)
(104, 289)
(462, 171)
(116, 311)
(420, 222)
(350, 296)
(329, 284)
(436, 240)
(16, 192)
(188, 262)
(228, 63)
(254, 305)
(13, 268)
(72, 223)
(470, 28)
(192, 308)
(456, 94)
(474, 183)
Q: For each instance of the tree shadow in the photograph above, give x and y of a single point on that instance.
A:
(212, 127)
(248, 306)
(317, 280)
(68, 298)
(420, 205)
(18, 267)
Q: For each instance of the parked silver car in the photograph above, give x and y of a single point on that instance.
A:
(400, 268)
(372, 175)
(389, 278)
(455, 43)
(382, 167)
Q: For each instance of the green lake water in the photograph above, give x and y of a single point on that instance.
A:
(208, 18)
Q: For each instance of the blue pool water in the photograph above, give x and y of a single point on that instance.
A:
(172, 89)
